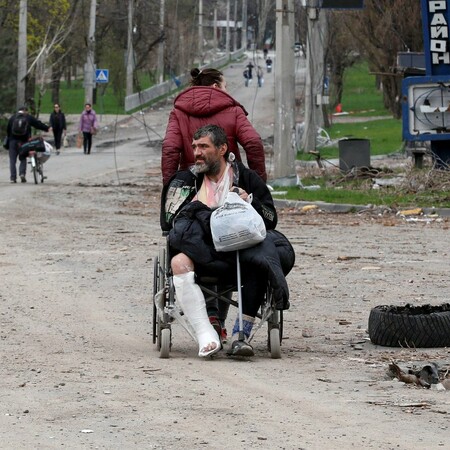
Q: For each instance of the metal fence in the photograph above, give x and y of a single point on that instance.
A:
(141, 98)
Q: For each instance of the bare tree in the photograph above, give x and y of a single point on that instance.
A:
(341, 52)
(381, 30)
(265, 7)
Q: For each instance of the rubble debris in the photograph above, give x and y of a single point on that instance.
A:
(411, 212)
(419, 378)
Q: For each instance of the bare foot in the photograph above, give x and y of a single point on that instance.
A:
(209, 349)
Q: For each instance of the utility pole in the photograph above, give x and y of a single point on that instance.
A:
(284, 152)
(130, 51)
(22, 54)
(215, 28)
(227, 40)
(244, 25)
(90, 66)
(314, 75)
(200, 32)
(160, 68)
(235, 25)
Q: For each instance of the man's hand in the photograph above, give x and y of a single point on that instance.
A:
(243, 194)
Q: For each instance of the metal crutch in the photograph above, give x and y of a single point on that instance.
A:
(239, 290)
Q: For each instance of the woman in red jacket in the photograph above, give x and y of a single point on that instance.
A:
(207, 102)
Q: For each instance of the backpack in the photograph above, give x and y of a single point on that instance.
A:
(19, 126)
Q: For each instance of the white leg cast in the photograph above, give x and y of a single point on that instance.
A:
(192, 302)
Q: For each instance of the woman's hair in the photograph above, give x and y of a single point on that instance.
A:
(206, 77)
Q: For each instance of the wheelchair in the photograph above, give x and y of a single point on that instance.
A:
(166, 311)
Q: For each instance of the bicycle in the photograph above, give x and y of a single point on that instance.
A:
(37, 167)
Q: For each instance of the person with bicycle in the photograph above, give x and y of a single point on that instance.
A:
(19, 132)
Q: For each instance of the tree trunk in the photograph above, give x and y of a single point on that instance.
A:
(56, 82)
(392, 95)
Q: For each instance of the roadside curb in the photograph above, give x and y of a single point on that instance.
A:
(347, 208)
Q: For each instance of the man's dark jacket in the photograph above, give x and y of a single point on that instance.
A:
(188, 223)
(32, 122)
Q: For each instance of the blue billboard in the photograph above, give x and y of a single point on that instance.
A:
(435, 23)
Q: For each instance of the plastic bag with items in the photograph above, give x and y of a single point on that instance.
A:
(45, 155)
(36, 144)
(236, 225)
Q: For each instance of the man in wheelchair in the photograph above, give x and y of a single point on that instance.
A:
(187, 203)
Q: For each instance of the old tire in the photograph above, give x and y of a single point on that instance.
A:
(410, 326)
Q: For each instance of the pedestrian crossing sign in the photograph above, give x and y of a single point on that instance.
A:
(102, 75)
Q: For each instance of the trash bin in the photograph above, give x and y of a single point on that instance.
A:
(441, 154)
(354, 152)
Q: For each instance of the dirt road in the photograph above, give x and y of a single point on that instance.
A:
(79, 369)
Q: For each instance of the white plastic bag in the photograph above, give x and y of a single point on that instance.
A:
(44, 156)
(236, 225)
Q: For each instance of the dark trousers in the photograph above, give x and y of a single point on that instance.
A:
(14, 150)
(57, 134)
(87, 142)
(254, 285)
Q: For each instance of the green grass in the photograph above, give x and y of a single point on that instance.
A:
(361, 96)
(390, 197)
(72, 100)
(362, 99)
(385, 137)
(107, 101)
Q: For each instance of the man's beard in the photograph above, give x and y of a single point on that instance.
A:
(208, 168)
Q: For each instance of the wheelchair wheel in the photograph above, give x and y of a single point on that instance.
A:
(158, 284)
(275, 343)
(162, 333)
(155, 290)
(275, 334)
(165, 338)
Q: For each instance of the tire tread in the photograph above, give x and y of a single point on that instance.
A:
(395, 329)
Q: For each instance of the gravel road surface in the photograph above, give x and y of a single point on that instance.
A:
(79, 369)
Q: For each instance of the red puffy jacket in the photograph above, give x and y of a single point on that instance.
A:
(203, 105)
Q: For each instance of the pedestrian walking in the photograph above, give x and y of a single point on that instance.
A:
(19, 132)
(58, 124)
(88, 126)
(260, 76)
(205, 102)
(246, 77)
(250, 67)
